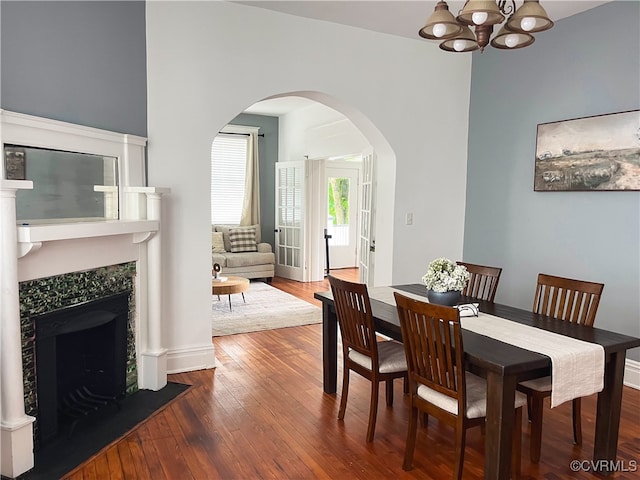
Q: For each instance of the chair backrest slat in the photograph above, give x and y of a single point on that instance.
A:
(566, 299)
(353, 308)
(483, 281)
(433, 346)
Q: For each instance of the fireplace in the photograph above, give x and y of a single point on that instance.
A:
(56, 326)
(81, 362)
(35, 252)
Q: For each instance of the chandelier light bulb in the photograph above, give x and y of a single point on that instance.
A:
(439, 29)
(511, 40)
(479, 17)
(528, 23)
(458, 45)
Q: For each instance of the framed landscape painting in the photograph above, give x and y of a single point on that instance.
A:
(600, 153)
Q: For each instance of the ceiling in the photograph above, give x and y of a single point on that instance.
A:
(400, 17)
(394, 17)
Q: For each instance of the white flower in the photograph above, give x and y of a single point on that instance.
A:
(443, 275)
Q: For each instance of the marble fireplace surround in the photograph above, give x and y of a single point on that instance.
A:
(29, 252)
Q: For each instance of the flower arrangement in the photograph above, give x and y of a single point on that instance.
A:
(443, 275)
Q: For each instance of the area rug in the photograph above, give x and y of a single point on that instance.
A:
(266, 308)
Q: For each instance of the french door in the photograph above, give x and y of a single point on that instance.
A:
(289, 223)
(341, 186)
(367, 219)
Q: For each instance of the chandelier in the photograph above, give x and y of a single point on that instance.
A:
(456, 35)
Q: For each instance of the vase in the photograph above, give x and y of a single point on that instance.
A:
(449, 298)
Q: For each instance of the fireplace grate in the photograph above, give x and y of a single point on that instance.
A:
(83, 403)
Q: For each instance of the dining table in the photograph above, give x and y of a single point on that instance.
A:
(504, 365)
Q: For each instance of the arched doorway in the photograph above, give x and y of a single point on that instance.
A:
(309, 124)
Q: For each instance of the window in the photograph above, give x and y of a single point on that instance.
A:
(338, 208)
(228, 171)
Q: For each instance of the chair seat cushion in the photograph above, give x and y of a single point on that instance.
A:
(476, 397)
(390, 356)
(539, 384)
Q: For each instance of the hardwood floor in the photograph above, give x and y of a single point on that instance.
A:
(262, 414)
(306, 290)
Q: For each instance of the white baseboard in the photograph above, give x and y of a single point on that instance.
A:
(632, 374)
(187, 359)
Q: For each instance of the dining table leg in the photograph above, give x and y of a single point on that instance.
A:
(329, 349)
(605, 445)
(501, 392)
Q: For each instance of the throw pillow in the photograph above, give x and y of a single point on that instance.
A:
(217, 243)
(225, 233)
(243, 240)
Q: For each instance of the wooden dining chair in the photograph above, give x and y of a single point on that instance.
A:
(438, 383)
(483, 281)
(377, 361)
(567, 300)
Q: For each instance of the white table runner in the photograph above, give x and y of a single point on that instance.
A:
(385, 295)
(577, 366)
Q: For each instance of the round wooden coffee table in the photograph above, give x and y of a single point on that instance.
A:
(229, 286)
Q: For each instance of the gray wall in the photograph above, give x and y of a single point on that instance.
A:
(80, 62)
(268, 151)
(569, 72)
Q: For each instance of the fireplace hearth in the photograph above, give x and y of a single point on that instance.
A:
(81, 363)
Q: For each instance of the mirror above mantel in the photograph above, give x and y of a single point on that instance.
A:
(78, 173)
(67, 186)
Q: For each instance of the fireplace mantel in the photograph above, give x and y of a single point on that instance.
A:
(31, 237)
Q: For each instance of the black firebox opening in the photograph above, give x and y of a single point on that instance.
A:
(81, 363)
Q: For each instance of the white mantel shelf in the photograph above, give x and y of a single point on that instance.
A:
(31, 237)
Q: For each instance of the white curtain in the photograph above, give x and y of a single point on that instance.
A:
(251, 204)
